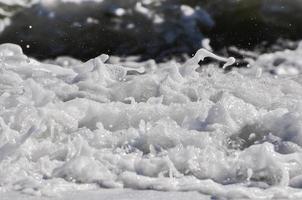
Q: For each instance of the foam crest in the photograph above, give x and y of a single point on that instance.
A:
(166, 126)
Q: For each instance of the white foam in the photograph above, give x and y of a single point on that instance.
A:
(167, 126)
(285, 62)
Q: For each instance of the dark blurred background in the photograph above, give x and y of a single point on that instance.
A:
(150, 28)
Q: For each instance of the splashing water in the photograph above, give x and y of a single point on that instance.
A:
(169, 126)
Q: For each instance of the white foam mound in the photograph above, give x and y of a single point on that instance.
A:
(168, 127)
(287, 62)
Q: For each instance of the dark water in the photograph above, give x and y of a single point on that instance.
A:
(86, 30)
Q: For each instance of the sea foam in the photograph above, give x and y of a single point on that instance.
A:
(168, 126)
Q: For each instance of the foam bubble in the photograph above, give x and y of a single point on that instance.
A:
(167, 126)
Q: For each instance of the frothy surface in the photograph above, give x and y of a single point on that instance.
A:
(70, 125)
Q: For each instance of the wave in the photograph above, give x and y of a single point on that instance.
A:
(69, 125)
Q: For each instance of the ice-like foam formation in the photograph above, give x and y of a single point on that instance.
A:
(187, 127)
(285, 62)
